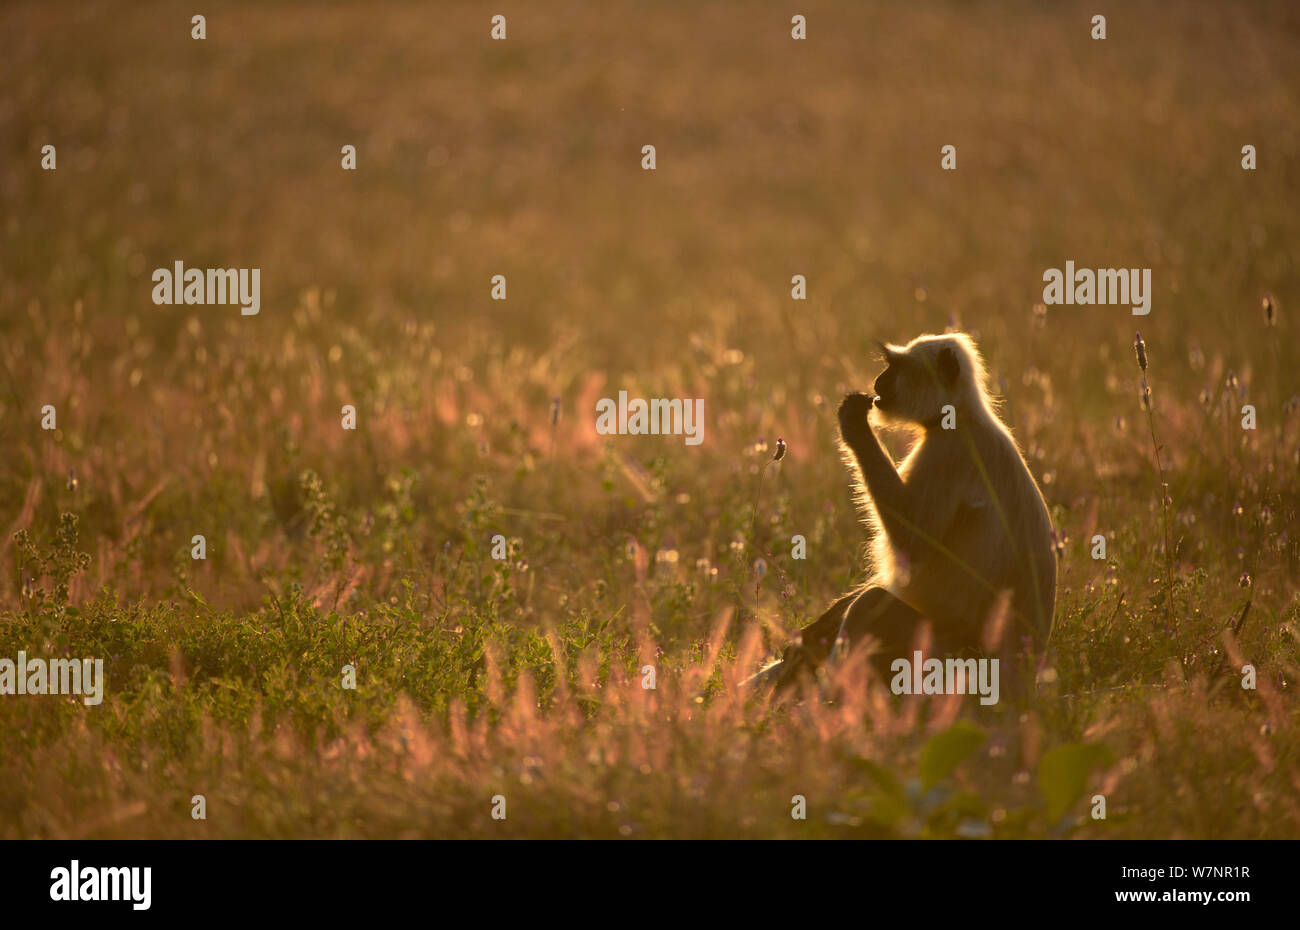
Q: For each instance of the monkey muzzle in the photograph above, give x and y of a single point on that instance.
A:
(883, 388)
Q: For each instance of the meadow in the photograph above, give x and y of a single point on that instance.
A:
(522, 677)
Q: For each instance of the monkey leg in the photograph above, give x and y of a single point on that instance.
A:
(872, 611)
(801, 657)
(817, 639)
(890, 622)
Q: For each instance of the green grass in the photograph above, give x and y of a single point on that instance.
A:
(478, 677)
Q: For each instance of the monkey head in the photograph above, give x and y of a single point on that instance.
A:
(928, 373)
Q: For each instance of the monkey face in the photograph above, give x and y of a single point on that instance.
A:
(927, 374)
(886, 387)
(905, 391)
(916, 382)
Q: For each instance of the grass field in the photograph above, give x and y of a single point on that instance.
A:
(521, 677)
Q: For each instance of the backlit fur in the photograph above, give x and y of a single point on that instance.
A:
(982, 526)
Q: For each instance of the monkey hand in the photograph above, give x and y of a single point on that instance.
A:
(853, 416)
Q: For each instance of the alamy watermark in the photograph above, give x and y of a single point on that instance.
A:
(53, 676)
(658, 416)
(181, 285)
(1119, 286)
(86, 883)
(946, 676)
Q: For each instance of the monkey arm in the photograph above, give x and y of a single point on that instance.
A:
(886, 487)
(913, 522)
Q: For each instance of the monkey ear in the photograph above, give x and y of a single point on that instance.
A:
(948, 367)
(886, 353)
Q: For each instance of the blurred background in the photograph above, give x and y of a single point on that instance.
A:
(523, 158)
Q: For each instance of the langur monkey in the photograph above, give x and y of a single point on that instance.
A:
(955, 526)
